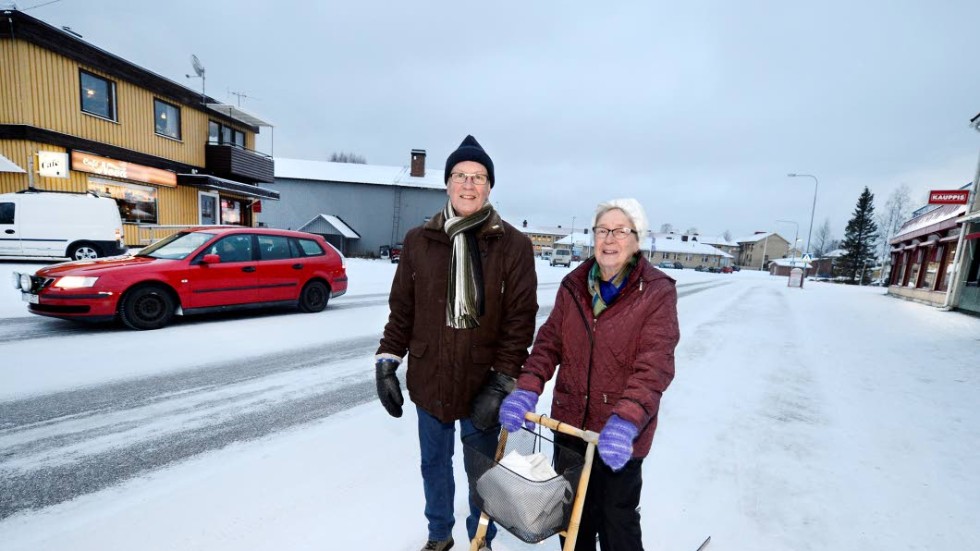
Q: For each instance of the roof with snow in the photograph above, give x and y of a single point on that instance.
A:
(329, 224)
(935, 220)
(755, 238)
(796, 262)
(687, 247)
(326, 171)
(545, 230)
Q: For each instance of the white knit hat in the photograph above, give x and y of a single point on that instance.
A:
(632, 208)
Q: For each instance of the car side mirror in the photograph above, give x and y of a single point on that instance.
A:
(211, 259)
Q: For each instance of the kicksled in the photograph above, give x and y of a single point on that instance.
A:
(533, 487)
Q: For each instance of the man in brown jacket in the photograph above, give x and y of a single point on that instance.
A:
(463, 304)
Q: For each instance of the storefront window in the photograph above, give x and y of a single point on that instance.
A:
(136, 203)
(231, 211)
(932, 256)
(915, 263)
(973, 273)
(898, 271)
(166, 119)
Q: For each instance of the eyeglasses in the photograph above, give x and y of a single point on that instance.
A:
(478, 179)
(618, 233)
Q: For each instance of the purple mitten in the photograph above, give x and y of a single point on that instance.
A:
(616, 442)
(513, 408)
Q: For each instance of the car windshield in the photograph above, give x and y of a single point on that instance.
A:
(176, 247)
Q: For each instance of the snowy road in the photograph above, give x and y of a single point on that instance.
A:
(59, 445)
(821, 419)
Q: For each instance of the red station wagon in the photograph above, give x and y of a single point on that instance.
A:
(199, 270)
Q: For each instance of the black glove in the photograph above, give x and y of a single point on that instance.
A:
(486, 405)
(389, 390)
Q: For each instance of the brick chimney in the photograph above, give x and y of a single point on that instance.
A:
(418, 163)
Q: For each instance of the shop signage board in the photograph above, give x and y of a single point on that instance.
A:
(104, 166)
(949, 196)
(52, 164)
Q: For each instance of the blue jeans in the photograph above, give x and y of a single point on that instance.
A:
(436, 441)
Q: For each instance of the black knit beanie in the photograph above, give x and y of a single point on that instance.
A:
(469, 150)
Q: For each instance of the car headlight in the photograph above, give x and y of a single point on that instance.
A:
(25, 282)
(75, 282)
(15, 279)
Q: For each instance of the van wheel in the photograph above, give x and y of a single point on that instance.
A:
(146, 307)
(314, 297)
(84, 251)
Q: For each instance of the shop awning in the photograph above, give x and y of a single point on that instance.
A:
(205, 181)
(6, 165)
(328, 224)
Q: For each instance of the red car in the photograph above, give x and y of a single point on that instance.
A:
(199, 270)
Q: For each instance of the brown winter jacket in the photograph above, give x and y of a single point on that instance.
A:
(619, 363)
(446, 366)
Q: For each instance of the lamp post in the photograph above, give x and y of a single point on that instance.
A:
(813, 209)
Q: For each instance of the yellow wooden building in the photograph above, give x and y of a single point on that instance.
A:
(76, 118)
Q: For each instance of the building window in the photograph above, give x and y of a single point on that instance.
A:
(231, 211)
(220, 134)
(973, 273)
(136, 203)
(166, 119)
(98, 96)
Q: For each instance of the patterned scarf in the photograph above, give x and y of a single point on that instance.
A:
(605, 292)
(464, 302)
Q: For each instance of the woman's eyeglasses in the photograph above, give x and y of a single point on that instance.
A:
(618, 233)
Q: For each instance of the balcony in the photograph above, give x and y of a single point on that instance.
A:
(236, 163)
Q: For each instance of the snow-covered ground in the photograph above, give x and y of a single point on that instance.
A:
(827, 418)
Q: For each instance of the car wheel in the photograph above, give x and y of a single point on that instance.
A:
(84, 251)
(314, 297)
(146, 307)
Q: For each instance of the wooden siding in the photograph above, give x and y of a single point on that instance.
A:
(45, 93)
(175, 206)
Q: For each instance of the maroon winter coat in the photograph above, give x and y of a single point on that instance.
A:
(447, 366)
(620, 362)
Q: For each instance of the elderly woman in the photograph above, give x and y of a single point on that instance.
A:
(613, 331)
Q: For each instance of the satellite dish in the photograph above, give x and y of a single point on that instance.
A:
(198, 66)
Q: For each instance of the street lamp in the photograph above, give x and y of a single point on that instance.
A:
(813, 209)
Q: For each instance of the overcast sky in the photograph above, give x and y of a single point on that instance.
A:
(699, 110)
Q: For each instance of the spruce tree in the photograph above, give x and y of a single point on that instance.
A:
(860, 238)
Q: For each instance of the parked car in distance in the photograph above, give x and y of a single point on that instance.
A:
(666, 264)
(678, 266)
(561, 257)
(736, 267)
(204, 269)
(395, 253)
(700, 268)
(714, 269)
(59, 224)
(726, 269)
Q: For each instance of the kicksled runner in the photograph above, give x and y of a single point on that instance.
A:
(533, 487)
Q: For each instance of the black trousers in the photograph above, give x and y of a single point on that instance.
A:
(610, 504)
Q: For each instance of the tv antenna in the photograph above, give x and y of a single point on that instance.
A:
(199, 71)
(240, 96)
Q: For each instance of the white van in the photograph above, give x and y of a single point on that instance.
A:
(59, 224)
(561, 257)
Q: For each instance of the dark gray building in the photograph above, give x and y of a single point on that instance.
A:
(358, 208)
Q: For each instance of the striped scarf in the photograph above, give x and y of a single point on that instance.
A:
(464, 302)
(605, 292)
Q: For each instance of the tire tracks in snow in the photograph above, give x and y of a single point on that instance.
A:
(58, 446)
